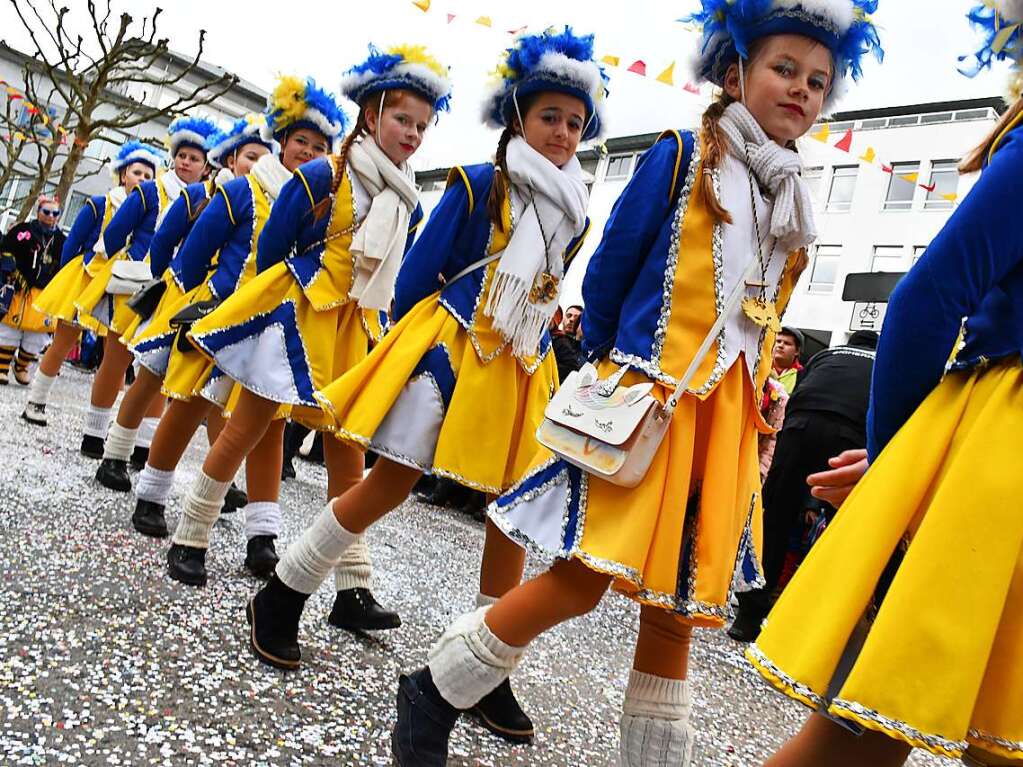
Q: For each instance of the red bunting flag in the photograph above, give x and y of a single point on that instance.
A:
(638, 67)
(845, 143)
(451, 17)
(886, 168)
(930, 188)
(689, 87)
(517, 31)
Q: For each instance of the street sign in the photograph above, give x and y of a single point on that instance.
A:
(867, 315)
(870, 286)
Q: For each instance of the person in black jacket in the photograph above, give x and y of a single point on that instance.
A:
(565, 341)
(826, 415)
(29, 257)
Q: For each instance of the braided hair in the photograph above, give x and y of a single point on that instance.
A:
(499, 188)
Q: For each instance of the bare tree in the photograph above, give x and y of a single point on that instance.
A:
(111, 78)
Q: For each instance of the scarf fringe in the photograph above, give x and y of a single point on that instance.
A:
(524, 322)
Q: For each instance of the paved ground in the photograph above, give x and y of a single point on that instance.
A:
(105, 661)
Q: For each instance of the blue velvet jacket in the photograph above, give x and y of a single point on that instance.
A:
(968, 285)
(176, 225)
(457, 235)
(223, 238)
(81, 239)
(134, 222)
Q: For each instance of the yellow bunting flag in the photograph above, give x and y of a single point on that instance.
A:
(951, 197)
(20, 136)
(665, 76)
(423, 5)
(484, 21)
(823, 134)
(870, 155)
(910, 177)
(611, 61)
(1002, 38)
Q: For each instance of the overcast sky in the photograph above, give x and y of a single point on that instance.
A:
(322, 38)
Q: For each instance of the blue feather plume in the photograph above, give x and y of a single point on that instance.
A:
(992, 25)
(324, 103)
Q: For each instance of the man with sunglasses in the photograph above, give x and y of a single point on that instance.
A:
(29, 258)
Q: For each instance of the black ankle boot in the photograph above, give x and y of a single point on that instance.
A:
(186, 564)
(358, 610)
(148, 519)
(425, 721)
(260, 556)
(274, 614)
(139, 457)
(92, 447)
(501, 713)
(746, 626)
(113, 474)
(234, 500)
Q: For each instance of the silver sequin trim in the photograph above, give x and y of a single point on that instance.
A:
(717, 254)
(755, 654)
(1002, 743)
(933, 742)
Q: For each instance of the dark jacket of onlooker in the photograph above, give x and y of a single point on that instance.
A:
(568, 353)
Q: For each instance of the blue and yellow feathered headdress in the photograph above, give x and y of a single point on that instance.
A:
(550, 61)
(136, 151)
(189, 131)
(297, 103)
(729, 27)
(1001, 22)
(253, 128)
(402, 67)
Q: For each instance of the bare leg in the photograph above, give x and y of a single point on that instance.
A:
(662, 648)
(502, 563)
(385, 488)
(63, 339)
(177, 427)
(110, 376)
(345, 465)
(823, 742)
(215, 422)
(140, 399)
(263, 465)
(251, 418)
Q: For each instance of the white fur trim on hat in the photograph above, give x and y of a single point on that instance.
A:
(185, 137)
(436, 85)
(840, 13)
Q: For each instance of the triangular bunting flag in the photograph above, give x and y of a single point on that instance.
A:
(691, 88)
(869, 156)
(639, 67)
(822, 134)
(930, 188)
(666, 76)
(952, 197)
(845, 143)
(451, 17)
(886, 169)
(611, 61)
(1002, 38)
(423, 5)
(910, 177)
(517, 31)
(484, 21)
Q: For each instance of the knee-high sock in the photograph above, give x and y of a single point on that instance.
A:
(120, 441)
(6, 355)
(96, 421)
(154, 485)
(468, 661)
(262, 518)
(655, 727)
(144, 437)
(354, 570)
(201, 509)
(39, 391)
(309, 560)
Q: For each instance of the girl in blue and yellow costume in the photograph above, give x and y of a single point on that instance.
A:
(933, 658)
(127, 237)
(459, 385)
(82, 258)
(141, 407)
(325, 262)
(681, 239)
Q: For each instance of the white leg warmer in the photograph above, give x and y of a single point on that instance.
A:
(468, 661)
(262, 518)
(309, 560)
(147, 429)
(154, 485)
(120, 441)
(355, 570)
(96, 421)
(39, 392)
(482, 600)
(655, 729)
(202, 507)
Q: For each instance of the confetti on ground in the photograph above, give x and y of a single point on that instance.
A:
(106, 661)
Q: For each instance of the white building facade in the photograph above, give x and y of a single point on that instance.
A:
(869, 220)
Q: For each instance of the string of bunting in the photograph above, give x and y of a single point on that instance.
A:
(13, 94)
(869, 156)
(637, 67)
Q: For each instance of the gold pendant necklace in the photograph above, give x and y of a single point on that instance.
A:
(762, 312)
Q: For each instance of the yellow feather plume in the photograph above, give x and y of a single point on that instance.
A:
(416, 54)
(288, 99)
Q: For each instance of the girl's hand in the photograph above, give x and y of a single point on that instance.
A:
(834, 486)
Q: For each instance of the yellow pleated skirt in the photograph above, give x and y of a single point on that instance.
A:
(22, 314)
(269, 339)
(109, 311)
(677, 539)
(942, 665)
(483, 416)
(57, 300)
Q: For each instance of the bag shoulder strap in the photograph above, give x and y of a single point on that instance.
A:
(473, 267)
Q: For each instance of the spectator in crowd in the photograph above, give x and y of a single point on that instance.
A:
(786, 366)
(772, 408)
(572, 324)
(566, 340)
(826, 415)
(29, 257)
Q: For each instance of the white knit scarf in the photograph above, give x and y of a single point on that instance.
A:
(556, 200)
(115, 199)
(379, 243)
(223, 176)
(777, 169)
(270, 174)
(173, 186)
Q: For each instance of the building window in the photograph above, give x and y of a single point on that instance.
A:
(918, 250)
(72, 208)
(886, 258)
(812, 178)
(900, 188)
(618, 166)
(843, 184)
(945, 179)
(824, 271)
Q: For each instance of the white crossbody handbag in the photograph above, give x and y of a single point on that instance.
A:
(611, 431)
(128, 276)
